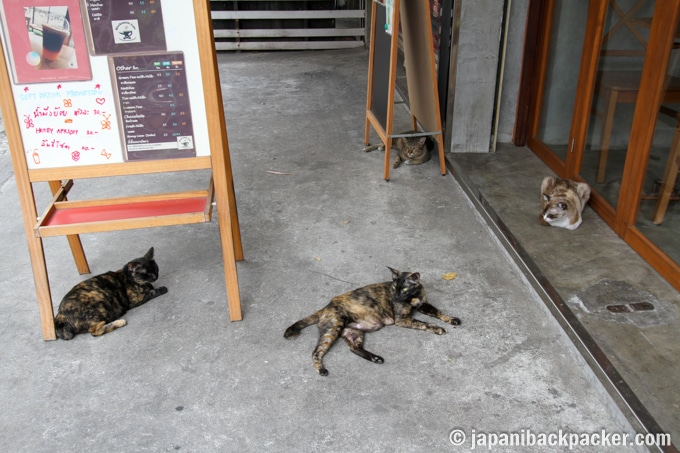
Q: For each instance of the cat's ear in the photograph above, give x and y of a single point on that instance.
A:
(430, 141)
(415, 278)
(548, 184)
(395, 273)
(583, 191)
(149, 254)
(421, 141)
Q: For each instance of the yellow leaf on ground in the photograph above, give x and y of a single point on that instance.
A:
(449, 276)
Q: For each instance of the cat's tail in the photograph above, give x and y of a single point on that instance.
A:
(294, 330)
(63, 329)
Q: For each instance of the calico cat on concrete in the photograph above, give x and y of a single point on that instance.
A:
(97, 304)
(563, 202)
(410, 150)
(367, 309)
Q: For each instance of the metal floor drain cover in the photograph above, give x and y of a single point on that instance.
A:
(621, 302)
(618, 308)
(642, 306)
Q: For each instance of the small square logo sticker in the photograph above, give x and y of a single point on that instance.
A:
(125, 31)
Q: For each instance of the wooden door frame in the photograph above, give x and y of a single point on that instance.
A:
(663, 32)
(532, 83)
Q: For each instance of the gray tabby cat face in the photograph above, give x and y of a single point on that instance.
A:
(413, 147)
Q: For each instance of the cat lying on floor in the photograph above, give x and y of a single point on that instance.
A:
(563, 202)
(368, 309)
(97, 304)
(410, 150)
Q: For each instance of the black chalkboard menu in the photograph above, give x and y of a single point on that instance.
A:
(122, 26)
(153, 105)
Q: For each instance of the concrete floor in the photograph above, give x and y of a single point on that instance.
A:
(182, 377)
(590, 268)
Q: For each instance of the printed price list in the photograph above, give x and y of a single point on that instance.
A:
(154, 107)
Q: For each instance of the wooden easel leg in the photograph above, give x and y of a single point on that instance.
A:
(230, 235)
(42, 287)
(442, 158)
(233, 217)
(388, 148)
(367, 132)
(229, 259)
(73, 240)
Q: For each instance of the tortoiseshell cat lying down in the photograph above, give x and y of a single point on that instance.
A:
(368, 309)
(96, 305)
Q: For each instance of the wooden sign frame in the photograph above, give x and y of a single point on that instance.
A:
(71, 218)
(412, 17)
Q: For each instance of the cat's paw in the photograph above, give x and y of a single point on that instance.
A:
(438, 331)
(377, 359)
(454, 322)
(161, 290)
(323, 372)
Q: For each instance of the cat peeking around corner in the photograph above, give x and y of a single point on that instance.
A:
(368, 309)
(563, 202)
(96, 305)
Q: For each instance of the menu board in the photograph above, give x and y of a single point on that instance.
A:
(124, 26)
(127, 106)
(153, 104)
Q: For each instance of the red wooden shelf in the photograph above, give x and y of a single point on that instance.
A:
(76, 217)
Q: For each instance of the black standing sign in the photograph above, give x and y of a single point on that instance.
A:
(153, 105)
(380, 82)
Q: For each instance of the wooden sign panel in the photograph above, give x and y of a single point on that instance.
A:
(76, 116)
(420, 67)
(74, 110)
(412, 22)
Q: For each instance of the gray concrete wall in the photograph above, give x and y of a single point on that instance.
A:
(476, 74)
(478, 61)
(514, 52)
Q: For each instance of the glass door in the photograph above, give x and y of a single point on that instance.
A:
(651, 173)
(606, 110)
(617, 72)
(564, 26)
